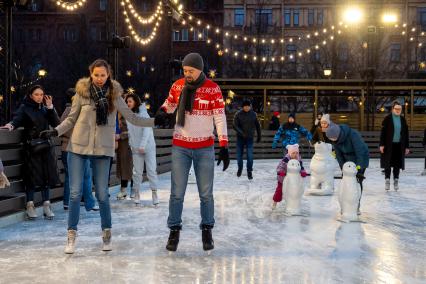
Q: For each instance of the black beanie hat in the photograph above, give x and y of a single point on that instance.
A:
(293, 115)
(246, 103)
(193, 60)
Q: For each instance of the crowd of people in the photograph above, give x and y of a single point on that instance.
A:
(101, 121)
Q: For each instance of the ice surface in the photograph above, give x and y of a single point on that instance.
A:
(253, 243)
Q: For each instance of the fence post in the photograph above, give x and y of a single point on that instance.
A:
(265, 106)
(361, 111)
(316, 104)
(411, 109)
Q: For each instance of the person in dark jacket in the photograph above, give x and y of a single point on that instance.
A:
(290, 133)
(394, 144)
(349, 147)
(316, 123)
(36, 114)
(274, 124)
(245, 122)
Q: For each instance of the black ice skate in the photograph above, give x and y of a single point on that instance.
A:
(173, 241)
(207, 238)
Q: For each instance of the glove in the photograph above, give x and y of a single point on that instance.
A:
(274, 145)
(360, 176)
(160, 118)
(46, 134)
(4, 182)
(303, 173)
(223, 156)
(281, 176)
(258, 139)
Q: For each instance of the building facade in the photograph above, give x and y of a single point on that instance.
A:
(311, 36)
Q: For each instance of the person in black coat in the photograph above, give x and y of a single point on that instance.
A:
(394, 144)
(274, 124)
(245, 122)
(36, 114)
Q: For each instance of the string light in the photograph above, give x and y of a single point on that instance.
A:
(70, 6)
(143, 20)
(136, 36)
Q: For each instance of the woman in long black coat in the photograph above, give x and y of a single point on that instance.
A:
(40, 172)
(394, 144)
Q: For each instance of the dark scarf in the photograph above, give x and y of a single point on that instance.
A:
(187, 97)
(98, 95)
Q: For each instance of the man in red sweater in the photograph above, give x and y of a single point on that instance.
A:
(200, 107)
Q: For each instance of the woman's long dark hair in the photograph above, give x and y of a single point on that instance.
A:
(33, 88)
(137, 101)
(104, 63)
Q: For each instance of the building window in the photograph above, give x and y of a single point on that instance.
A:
(291, 52)
(287, 17)
(320, 17)
(264, 17)
(35, 5)
(180, 35)
(70, 34)
(395, 52)
(295, 17)
(103, 5)
(97, 33)
(239, 17)
(200, 5)
(422, 18)
(200, 35)
(311, 15)
(343, 52)
(34, 34)
(316, 56)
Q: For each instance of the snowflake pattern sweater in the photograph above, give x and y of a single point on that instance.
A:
(208, 111)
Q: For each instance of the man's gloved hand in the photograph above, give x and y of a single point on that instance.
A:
(303, 173)
(223, 156)
(46, 134)
(160, 118)
(360, 174)
(274, 145)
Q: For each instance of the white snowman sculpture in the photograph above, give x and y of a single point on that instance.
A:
(322, 170)
(349, 193)
(293, 188)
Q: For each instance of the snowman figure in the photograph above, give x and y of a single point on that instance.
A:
(322, 170)
(293, 188)
(349, 193)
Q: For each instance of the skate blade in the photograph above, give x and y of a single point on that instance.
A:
(49, 217)
(28, 218)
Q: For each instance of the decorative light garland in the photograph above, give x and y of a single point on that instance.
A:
(136, 15)
(70, 6)
(253, 39)
(135, 35)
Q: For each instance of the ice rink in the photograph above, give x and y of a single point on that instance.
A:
(253, 243)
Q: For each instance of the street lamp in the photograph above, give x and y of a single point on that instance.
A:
(352, 15)
(42, 73)
(327, 72)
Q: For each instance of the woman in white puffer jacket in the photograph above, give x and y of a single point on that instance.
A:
(142, 143)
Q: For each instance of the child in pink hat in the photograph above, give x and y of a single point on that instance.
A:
(292, 153)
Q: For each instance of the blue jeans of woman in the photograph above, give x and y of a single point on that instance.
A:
(100, 170)
(241, 144)
(203, 159)
(89, 200)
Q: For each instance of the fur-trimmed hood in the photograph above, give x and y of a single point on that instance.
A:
(82, 88)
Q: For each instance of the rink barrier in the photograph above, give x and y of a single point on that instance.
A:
(12, 199)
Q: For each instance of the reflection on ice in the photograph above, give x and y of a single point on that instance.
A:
(253, 243)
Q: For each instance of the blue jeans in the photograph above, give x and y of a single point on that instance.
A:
(89, 200)
(241, 143)
(182, 159)
(77, 165)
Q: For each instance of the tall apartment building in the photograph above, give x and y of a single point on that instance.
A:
(308, 37)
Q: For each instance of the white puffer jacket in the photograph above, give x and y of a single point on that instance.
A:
(141, 137)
